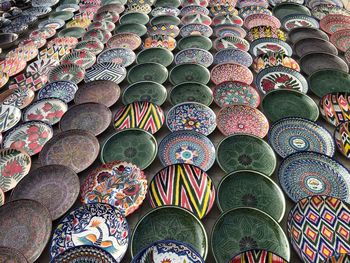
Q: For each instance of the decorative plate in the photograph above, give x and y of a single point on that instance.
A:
(338, 258)
(118, 8)
(245, 152)
(54, 52)
(4, 77)
(32, 81)
(124, 40)
(100, 91)
(334, 107)
(160, 11)
(340, 40)
(29, 137)
(131, 145)
(259, 256)
(292, 21)
(106, 16)
(42, 182)
(99, 34)
(165, 19)
(162, 222)
(143, 19)
(327, 81)
(83, 59)
(67, 42)
(82, 22)
(76, 32)
(121, 56)
(255, 20)
(229, 30)
(45, 32)
(227, 19)
(98, 224)
(265, 32)
(15, 165)
(233, 55)
(8, 40)
(105, 25)
(134, 28)
(194, 9)
(189, 72)
(243, 229)
(19, 97)
(159, 55)
(191, 92)
(231, 72)
(289, 8)
(52, 23)
(222, 8)
(280, 77)
(263, 3)
(37, 42)
(231, 42)
(64, 15)
(164, 29)
(12, 66)
(273, 59)
(196, 29)
(49, 111)
(194, 55)
(68, 7)
(187, 147)
(105, 71)
(67, 72)
(25, 53)
(191, 116)
(63, 90)
(126, 184)
(203, 3)
(11, 255)
(196, 18)
(160, 41)
(251, 189)
(322, 10)
(40, 3)
(341, 134)
(39, 11)
(17, 28)
(145, 91)
(253, 9)
(83, 253)
(194, 42)
(299, 33)
(268, 44)
(25, 218)
(334, 22)
(94, 46)
(292, 135)
(148, 72)
(9, 117)
(144, 8)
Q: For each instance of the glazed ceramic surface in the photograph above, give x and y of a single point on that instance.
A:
(227, 19)
(341, 39)
(52, 23)
(284, 9)
(9, 117)
(105, 71)
(341, 136)
(12, 66)
(229, 30)
(272, 59)
(150, 71)
(160, 11)
(32, 81)
(231, 72)
(189, 72)
(162, 41)
(121, 56)
(143, 19)
(233, 55)
(322, 10)
(314, 45)
(327, 81)
(338, 258)
(124, 40)
(164, 29)
(19, 97)
(64, 90)
(25, 53)
(67, 72)
(334, 22)
(261, 20)
(258, 256)
(159, 55)
(196, 29)
(82, 58)
(231, 42)
(191, 92)
(67, 42)
(334, 107)
(105, 25)
(253, 9)
(145, 91)
(265, 31)
(194, 55)
(299, 33)
(42, 67)
(11, 255)
(290, 22)
(54, 52)
(38, 42)
(268, 44)
(94, 46)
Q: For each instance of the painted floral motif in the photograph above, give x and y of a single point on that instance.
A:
(94, 46)
(265, 31)
(289, 25)
(160, 41)
(231, 42)
(279, 80)
(164, 29)
(82, 58)
(100, 34)
(261, 20)
(63, 90)
(274, 59)
(194, 55)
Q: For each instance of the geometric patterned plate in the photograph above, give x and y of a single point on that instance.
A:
(9, 117)
(79, 22)
(339, 258)
(121, 56)
(94, 46)
(26, 53)
(12, 66)
(124, 40)
(32, 81)
(54, 52)
(234, 55)
(37, 42)
(259, 256)
(105, 71)
(341, 136)
(231, 72)
(67, 72)
(64, 90)
(83, 58)
(42, 66)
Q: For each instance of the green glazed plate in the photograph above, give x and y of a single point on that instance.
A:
(171, 223)
(145, 91)
(137, 29)
(245, 152)
(167, 3)
(251, 189)
(134, 17)
(76, 32)
(155, 54)
(195, 41)
(148, 72)
(131, 145)
(189, 72)
(243, 229)
(285, 9)
(191, 91)
(327, 81)
(64, 15)
(165, 19)
(278, 104)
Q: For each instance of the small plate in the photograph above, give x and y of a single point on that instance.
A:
(99, 91)
(11, 254)
(99, 34)
(160, 41)
(334, 107)
(322, 10)
(159, 55)
(227, 19)
(140, 18)
(165, 19)
(63, 90)
(131, 145)
(162, 222)
(141, 114)
(259, 255)
(191, 116)
(282, 103)
(268, 44)
(196, 29)
(67, 72)
(251, 189)
(12, 66)
(265, 32)
(231, 42)
(134, 28)
(332, 23)
(49, 111)
(82, 22)
(292, 135)
(193, 9)
(19, 97)
(341, 40)
(85, 252)
(67, 42)
(105, 71)
(29, 137)
(253, 9)
(148, 72)
(126, 184)
(241, 229)
(280, 77)
(52, 23)
(229, 30)
(292, 21)
(125, 40)
(64, 15)
(192, 189)
(191, 92)
(231, 72)
(10, 116)
(164, 29)
(94, 46)
(105, 25)
(167, 10)
(189, 72)
(284, 9)
(76, 32)
(32, 81)
(340, 135)
(121, 56)
(68, 7)
(238, 119)
(83, 59)
(194, 42)
(145, 91)
(299, 33)
(45, 32)
(245, 152)
(195, 56)
(233, 55)
(273, 59)
(261, 20)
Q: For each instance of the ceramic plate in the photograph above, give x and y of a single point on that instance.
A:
(8, 40)
(19, 97)
(292, 21)
(233, 55)
(12, 66)
(322, 10)
(259, 255)
(229, 30)
(25, 218)
(145, 91)
(37, 42)
(194, 42)
(83, 253)
(191, 92)
(251, 189)
(112, 7)
(68, 7)
(94, 46)
(241, 229)
(297, 34)
(338, 258)
(124, 40)
(341, 134)
(160, 41)
(334, 22)
(314, 45)
(193, 9)
(10, 116)
(37, 3)
(42, 182)
(223, 8)
(227, 19)
(196, 29)
(134, 28)
(268, 44)
(160, 11)
(231, 42)
(53, 52)
(280, 77)
(126, 183)
(32, 81)
(63, 90)
(195, 2)
(99, 34)
(25, 53)
(284, 9)
(265, 31)
(67, 42)
(11, 255)
(148, 72)
(131, 145)
(194, 55)
(106, 16)
(238, 119)
(67, 72)
(105, 71)
(46, 32)
(64, 15)
(143, 19)
(52, 23)
(29, 137)
(105, 25)
(100, 222)
(292, 135)
(245, 152)
(261, 20)
(341, 40)
(334, 107)
(42, 67)
(162, 222)
(189, 72)
(253, 9)
(165, 19)
(4, 77)
(76, 32)
(121, 56)
(18, 28)
(272, 59)
(39, 11)
(164, 29)
(159, 55)
(82, 22)
(82, 58)
(231, 72)
(262, 3)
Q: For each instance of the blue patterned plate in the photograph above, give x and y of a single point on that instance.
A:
(121, 56)
(303, 174)
(187, 147)
(233, 55)
(98, 225)
(64, 90)
(191, 116)
(52, 23)
(229, 30)
(292, 135)
(194, 9)
(194, 55)
(196, 29)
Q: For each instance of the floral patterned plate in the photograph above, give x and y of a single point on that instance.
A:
(99, 34)
(46, 110)
(18, 28)
(83, 59)
(227, 19)
(191, 116)
(231, 42)
(101, 225)
(9, 117)
(334, 22)
(265, 31)
(29, 137)
(159, 55)
(121, 56)
(67, 72)
(124, 40)
(160, 11)
(45, 32)
(64, 90)
(194, 55)
(39, 11)
(196, 29)
(19, 97)
(261, 20)
(12, 66)
(131, 145)
(196, 18)
(290, 22)
(272, 59)
(193, 9)
(160, 41)
(105, 25)
(77, 149)
(189, 72)
(105, 71)
(94, 46)
(191, 92)
(233, 55)
(268, 44)
(52, 23)
(126, 186)
(230, 72)
(42, 67)
(145, 91)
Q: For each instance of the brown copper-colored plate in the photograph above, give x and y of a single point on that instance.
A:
(92, 117)
(77, 149)
(100, 91)
(11, 255)
(313, 62)
(312, 45)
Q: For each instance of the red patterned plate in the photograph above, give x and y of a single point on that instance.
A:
(68, 72)
(38, 42)
(196, 18)
(124, 40)
(82, 58)
(261, 20)
(107, 16)
(160, 41)
(12, 66)
(94, 46)
(25, 53)
(334, 22)
(45, 32)
(341, 39)
(227, 19)
(231, 72)
(68, 42)
(231, 42)
(54, 52)
(100, 34)
(241, 119)
(42, 66)
(33, 81)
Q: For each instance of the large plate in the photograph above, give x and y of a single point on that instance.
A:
(121, 56)
(233, 55)
(292, 21)
(105, 71)
(124, 40)
(334, 107)
(299, 33)
(230, 72)
(81, 58)
(314, 45)
(64, 90)
(334, 22)
(189, 72)
(145, 91)
(269, 44)
(67, 72)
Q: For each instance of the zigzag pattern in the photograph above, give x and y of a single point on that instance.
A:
(144, 115)
(105, 71)
(335, 107)
(257, 256)
(319, 226)
(183, 185)
(339, 258)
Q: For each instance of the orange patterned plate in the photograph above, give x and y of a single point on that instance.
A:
(83, 22)
(25, 53)
(12, 66)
